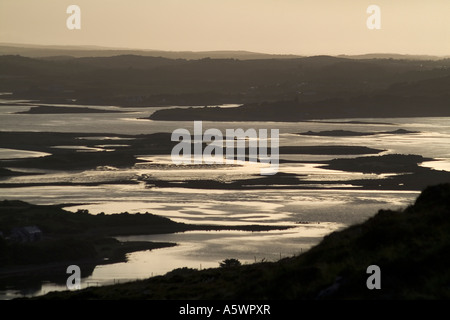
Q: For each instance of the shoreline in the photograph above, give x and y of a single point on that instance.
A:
(62, 230)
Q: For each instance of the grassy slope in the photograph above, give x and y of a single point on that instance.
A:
(411, 247)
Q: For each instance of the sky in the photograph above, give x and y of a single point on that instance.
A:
(304, 27)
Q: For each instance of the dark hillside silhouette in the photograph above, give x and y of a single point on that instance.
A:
(309, 83)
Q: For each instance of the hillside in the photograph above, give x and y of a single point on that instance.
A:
(410, 247)
(41, 51)
(422, 98)
(309, 82)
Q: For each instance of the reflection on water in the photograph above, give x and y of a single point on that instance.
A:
(221, 206)
(327, 210)
(196, 250)
(83, 148)
(18, 154)
(440, 164)
(104, 138)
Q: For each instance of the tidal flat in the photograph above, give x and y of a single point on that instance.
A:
(324, 184)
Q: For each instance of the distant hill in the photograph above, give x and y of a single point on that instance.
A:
(37, 51)
(424, 98)
(394, 56)
(319, 86)
(59, 51)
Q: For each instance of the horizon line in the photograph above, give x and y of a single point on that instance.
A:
(86, 47)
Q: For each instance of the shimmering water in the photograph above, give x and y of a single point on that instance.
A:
(327, 210)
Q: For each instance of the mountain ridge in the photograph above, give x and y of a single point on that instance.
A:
(35, 51)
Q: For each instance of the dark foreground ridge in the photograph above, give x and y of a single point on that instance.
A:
(410, 247)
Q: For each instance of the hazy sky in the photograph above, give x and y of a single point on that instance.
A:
(274, 26)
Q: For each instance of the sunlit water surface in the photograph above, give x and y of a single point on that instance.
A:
(323, 210)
